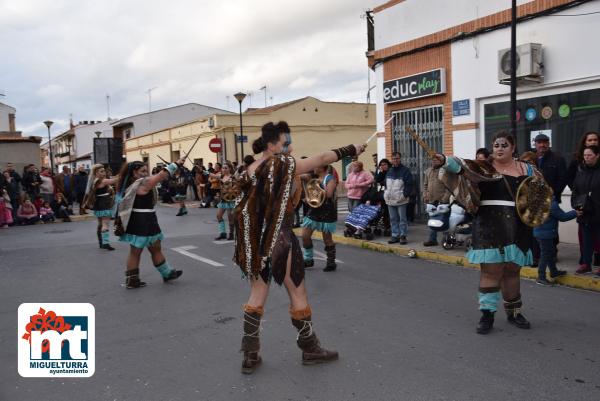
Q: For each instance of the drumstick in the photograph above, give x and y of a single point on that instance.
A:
(193, 144)
(163, 160)
(375, 133)
(430, 152)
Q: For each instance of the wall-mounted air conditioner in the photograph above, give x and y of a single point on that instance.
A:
(530, 68)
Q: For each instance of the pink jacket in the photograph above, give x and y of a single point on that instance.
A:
(358, 183)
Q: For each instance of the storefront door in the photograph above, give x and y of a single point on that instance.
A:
(429, 125)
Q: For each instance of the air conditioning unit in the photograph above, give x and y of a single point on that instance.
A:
(529, 64)
(211, 122)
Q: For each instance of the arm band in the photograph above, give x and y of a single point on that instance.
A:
(349, 150)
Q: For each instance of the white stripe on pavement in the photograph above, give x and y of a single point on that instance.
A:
(322, 256)
(184, 251)
(221, 242)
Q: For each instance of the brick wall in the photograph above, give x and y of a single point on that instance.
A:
(438, 57)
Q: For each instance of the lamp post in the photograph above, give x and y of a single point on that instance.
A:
(98, 133)
(240, 98)
(49, 124)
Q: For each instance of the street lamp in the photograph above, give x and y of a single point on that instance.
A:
(240, 98)
(49, 124)
(98, 133)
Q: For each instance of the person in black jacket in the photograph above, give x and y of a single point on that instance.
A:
(552, 165)
(31, 181)
(588, 139)
(382, 169)
(585, 199)
(80, 182)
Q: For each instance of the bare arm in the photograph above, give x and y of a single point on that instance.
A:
(154, 180)
(322, 159)
(109, 181)
(330, 189)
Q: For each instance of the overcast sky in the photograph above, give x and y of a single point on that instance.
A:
(62, 57)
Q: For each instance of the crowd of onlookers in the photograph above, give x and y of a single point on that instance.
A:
(395, 189)
(37, 196)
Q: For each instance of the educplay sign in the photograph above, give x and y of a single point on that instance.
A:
(424, 84)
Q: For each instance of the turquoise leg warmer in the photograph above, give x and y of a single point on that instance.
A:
(164, 269)
(222, 228)
(489, 301)
(105, 238)
(308, 253)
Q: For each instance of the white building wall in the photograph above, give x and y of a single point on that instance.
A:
(85, 134)
(413, 19)
(569, 56)
(166, 118)
(5, 110)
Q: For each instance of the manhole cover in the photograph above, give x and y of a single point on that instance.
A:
(57, 231)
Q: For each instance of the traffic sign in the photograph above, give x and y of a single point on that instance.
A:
(215, 145)
(241, 138)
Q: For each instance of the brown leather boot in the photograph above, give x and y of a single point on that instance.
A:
(251, 339)
(312, 352)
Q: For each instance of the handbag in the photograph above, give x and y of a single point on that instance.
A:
(583, 202)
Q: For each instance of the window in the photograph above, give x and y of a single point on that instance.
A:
(566, 117)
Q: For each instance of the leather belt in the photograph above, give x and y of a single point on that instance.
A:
(497, 203)
(143, 210)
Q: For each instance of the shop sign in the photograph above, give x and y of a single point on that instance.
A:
(424, 84)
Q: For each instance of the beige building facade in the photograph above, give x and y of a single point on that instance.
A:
(316, 126)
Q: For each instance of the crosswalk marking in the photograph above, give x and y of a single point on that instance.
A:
(184, 251)
(221, 242)
(322, 256)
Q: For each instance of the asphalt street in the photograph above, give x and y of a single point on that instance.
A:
(405, 328)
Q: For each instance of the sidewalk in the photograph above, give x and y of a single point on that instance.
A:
(568, 254)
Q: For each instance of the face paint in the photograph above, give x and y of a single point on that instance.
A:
(287, 143)
(501, 143)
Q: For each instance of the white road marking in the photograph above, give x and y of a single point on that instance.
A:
(322, 256)
(221, 242)
(184, 251)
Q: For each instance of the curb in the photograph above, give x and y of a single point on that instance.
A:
(570, 280)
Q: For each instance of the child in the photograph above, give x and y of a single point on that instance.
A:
(46, 213)
(27, 213)
(545, 235)
(5, 210)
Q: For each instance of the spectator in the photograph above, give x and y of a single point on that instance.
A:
(210, 168)
(357, 183)
(585, 199)
(38, 202)
(31, 181)
(399, 186)
(482, 154)
(11, 185)
(65, 184)
(14, 175)
(434, 193)
(61, 208)
(588, 139)
(47, 185)
(552, 165)
(80, 182)
(27, 213)
(201, 180)
(384, 166)
(529, 157)
(374, 156)
(6, 217)
(46, 213)
(350, 166)
(545, 236)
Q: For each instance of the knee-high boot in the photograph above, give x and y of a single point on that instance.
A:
(105, 236)
(488, 304)
(330, 264)
(513, 313)
(312, 352)
(251, 339)
(167, 272)
(308, 254)
(222, 231)
(132, 279)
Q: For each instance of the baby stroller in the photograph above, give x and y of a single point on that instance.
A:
(361, 219)
(459, 228)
